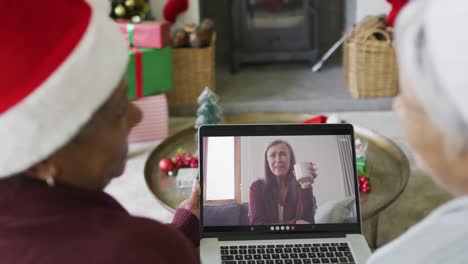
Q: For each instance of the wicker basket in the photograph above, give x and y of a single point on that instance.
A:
(194, 69)
(369, 63)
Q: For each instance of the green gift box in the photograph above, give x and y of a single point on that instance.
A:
(149, 72)
(361, 166)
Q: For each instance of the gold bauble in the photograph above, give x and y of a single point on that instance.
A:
(130, 3)
(119, 11)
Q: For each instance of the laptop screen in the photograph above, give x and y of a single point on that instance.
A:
(278, 178)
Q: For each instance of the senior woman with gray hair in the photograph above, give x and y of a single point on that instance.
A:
(64, 122)
(431, 42)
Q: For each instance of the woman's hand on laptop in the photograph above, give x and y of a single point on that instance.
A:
(192, 203)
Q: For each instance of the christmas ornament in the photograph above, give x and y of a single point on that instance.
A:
(181, 159)
(363, 183)
(130, 4)
(135, 10)
(136, 19)
(166, 165)
(119, 11)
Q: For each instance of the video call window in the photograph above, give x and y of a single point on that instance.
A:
(263, 180)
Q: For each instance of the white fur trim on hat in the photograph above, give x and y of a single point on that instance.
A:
(54, 113)
(431, 39)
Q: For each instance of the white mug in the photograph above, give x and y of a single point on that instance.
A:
(302, 171)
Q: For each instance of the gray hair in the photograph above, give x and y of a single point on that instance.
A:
(431, 38)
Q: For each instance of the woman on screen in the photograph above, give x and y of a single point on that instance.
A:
(279, 198)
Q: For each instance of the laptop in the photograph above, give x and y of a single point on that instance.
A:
(279, 194)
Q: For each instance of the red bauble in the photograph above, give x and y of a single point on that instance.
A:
(179, 164)
(187, 160)
(365, 184)
(166, 165)
(179, 156)
(194, 163)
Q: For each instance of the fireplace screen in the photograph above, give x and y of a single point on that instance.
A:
(263, 14)
(273, 30)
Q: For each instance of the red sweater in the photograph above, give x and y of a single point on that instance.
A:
(263, 210)
(40, 224)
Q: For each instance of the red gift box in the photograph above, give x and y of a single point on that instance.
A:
(155, 122)
(153, 34)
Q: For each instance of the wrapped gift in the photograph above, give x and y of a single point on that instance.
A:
(361, 166)
(155, 122)
(361, 156)
(153, 34)
(149, 72)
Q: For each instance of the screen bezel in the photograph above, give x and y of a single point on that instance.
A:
(277, 130)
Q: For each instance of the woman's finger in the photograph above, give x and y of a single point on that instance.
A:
(195, 196)
(196, 186)
(307, 183)
(312, 166)
(314, 175)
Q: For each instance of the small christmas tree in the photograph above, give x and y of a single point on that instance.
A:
(136, 10)
(209, 111)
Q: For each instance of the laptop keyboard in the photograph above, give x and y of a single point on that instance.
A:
(287, 254)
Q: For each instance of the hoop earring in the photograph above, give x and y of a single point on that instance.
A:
(50, 181)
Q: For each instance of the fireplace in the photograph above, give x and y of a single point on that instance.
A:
(273, 30)
(332, 18)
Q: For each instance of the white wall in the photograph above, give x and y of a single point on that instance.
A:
(192, 15)
(322, 150)
(371, 7)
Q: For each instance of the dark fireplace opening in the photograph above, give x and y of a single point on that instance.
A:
(253, 31)
(273, 30)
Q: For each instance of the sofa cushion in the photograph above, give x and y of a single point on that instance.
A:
(217, 215)
(244, 214)
(334, 211)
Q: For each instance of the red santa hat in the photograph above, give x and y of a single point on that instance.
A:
(60, 61)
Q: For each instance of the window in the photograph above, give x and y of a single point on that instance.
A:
(220, 169)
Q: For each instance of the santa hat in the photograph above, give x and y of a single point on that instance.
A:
(431, 39)
(60, 61)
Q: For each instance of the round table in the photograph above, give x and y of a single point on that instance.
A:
(387, 166)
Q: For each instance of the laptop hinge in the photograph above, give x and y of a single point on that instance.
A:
(281, 236)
